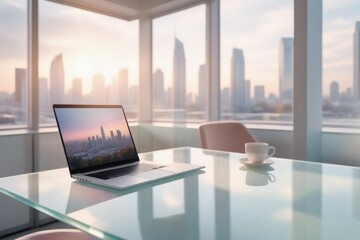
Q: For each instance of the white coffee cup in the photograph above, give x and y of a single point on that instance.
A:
(258, 151)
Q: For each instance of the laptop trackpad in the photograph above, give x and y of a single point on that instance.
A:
(153, 174)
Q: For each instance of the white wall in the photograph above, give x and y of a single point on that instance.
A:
(337, 148)
(16, 158)
(340, 148)
(152, 137)
(51, 152)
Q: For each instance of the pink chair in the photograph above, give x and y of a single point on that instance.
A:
(57, 234)
(225, 136)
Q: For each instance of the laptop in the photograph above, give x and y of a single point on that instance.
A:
(100, 149)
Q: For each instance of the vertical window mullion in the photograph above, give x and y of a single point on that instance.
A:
(33, 60)
(213, 60)
(307, 80)
(145, 70)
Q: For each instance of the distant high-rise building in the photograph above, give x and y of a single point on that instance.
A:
(247, 95)
(98, 93)
(133, 96)
(169, 97)
(119, 137)
(20, 95)
(286, 69)
(158, 89)
(103, 137)
(347, 95)
(225, 99)
(259, 93)
(57, 80)
(113, 140)
(123, 81)
(113, 91)
(179, 75)
(77, 90)
(237, 80)
(44, 101)
(334, 91)
(189, 98)
(202, 87)
(357, 62)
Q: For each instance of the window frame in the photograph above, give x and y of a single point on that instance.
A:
(145, 108)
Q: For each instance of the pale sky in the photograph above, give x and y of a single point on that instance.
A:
(91, 43)
(81, 123)
(188, 27)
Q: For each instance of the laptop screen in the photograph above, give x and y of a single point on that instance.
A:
(94, 136)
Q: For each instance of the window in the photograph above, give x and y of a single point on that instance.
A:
(87, 58)
(179, 66)
(257, 60)
(341, 63)
(13, 64)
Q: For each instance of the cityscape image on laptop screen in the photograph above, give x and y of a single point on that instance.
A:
(94, 136)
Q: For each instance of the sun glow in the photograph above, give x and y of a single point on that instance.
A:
(90, 45)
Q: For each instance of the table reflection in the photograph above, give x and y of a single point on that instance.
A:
(226, 200)
(185, 224)
(258, 176)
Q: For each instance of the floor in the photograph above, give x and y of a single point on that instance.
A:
(55, 225)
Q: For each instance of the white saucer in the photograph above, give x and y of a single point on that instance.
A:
(266, 162)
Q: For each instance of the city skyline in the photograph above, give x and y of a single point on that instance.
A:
(99, 149)
(117, 91)
(57, 75)
(114, 138)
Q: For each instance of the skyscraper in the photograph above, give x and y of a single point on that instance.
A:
(286, 63)
(158, 88)
(119, 137)
(133, 96)
(20, 88)
(113, 140)
(202, 87)
(259, 93)
(334, 91)
(57, 80)
(77, 90)
(179, 81)
(357, 62)
(237, 80)
(43, 93)
(225, 99)
(114, 91)
(98, 93)
(123, 81)
(247, 95)
(103, 137)
(348, 95)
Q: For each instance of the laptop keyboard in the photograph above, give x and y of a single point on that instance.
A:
(117, 172)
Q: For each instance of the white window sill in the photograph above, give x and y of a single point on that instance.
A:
(254, 126)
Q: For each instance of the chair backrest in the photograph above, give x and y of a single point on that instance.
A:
(57, 234)
(225, 136)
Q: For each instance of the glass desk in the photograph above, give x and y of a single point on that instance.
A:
(226, 200)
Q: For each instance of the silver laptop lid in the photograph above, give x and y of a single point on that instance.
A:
(94, 136)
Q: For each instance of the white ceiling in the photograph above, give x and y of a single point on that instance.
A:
(131, 9)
